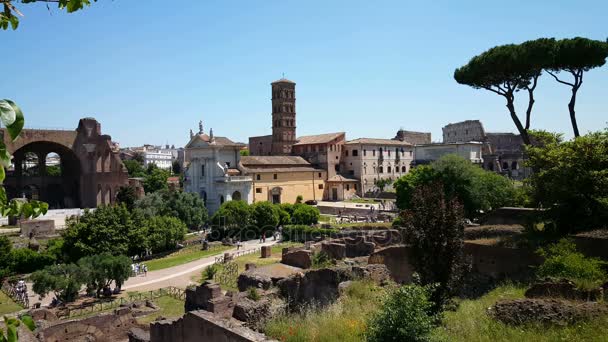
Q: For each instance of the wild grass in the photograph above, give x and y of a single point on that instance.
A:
(471, 323)
(183, 256)
(169, 308)
(344, 320)
(7, 305)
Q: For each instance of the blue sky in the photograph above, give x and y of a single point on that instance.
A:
(150, 70)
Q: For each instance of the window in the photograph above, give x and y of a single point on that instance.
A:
(514, 165)
(355, 186)
(320, 186)
(373, 153)
(320, 175)
(364, 153)
(203, 170)
(403, 169)
(258, 177)
(389, 152)
(346, 153)
(364, 170)
(380, 169)
(274, 176)
(337, 167)
(355, 153)
(347, 187)
(388, 169)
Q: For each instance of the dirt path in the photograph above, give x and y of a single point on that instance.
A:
(177, 276)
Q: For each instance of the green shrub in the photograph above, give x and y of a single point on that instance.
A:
(25, 260)
(301, 233)
(299, 199)
(305, 214)
(265, 216)
(321, 260)
(406, 315)
(563, 261)
(28, 321)
(252, 293)
(210, 272)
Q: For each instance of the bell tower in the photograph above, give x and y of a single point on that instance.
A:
(283, 116)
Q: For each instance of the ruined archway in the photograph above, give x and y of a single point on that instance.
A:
(46, 171)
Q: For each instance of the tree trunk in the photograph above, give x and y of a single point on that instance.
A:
(573, 113)
(529, 110)
(522, 131)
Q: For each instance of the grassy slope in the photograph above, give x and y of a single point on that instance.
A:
(472, 324)
(169, 308)
(345, 320)
(7, 305)
(183, 256)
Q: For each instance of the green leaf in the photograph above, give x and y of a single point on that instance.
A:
(14, 22)
(5, 157)
(3, 198)
(14, 129)
(27, 210)
(7, 113)
(2, 174)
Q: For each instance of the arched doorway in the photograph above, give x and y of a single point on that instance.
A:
(46, 171)
(236, 196)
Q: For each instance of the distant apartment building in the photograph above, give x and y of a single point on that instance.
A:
(428, 153)
(156, 156)
(369, 160)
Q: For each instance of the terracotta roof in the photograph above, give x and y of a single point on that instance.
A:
(233, 172)
(281, 169)
(318, 139)
(283, 80)
(273, 160)
(340, 178)
(372, 141)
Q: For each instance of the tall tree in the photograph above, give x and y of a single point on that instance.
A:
(10, 14)
(500, 70)
(576, 56)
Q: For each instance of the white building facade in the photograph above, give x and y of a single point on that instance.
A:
(370, 160)
(212, 171)
(162, 159)
(471, 151)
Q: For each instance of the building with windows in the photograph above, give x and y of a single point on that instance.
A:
(212, 170)
(425, 154)
(369, 160)
(281, 179)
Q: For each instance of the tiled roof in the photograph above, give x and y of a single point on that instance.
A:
(340, 178)
(281, 169)
(273, 160)
(318, 139)
(372, 141)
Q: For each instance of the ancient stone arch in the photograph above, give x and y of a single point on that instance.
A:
(88, 160)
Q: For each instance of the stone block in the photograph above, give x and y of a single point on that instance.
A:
(299, 258)
(334, 250)
(37, 228)
(249, 279)
(266, 251)
(250, 311)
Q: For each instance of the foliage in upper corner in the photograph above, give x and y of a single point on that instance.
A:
(12, 118)
(10, 14)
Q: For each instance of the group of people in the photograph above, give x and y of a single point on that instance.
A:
(138, 269)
